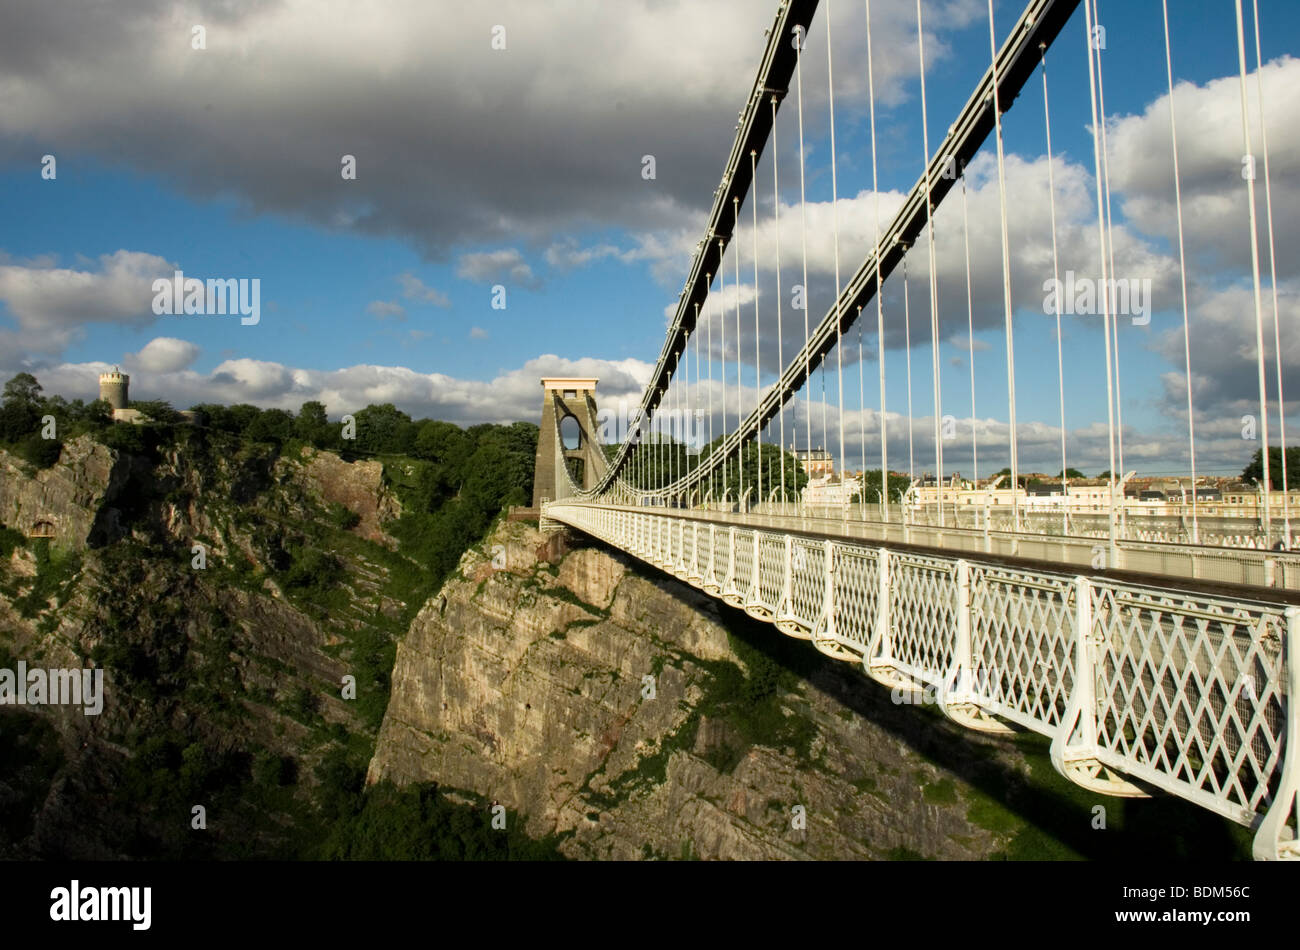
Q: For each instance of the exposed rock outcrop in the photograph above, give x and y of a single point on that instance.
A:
(71, 497)
(599, 699)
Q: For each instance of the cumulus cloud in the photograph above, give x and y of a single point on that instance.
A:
(964, 341)
(525, 143)
(506, 265)
(163, 354)
(51, 305)
(415, 289)
(567, 255)
(1210, 149)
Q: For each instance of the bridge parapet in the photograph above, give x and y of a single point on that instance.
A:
(1140, 687)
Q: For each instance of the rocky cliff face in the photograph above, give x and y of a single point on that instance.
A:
(637, 717)
(70, 501)
(226, 590)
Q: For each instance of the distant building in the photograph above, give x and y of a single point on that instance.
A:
(816, 463)
(825, 491)
(115, 389)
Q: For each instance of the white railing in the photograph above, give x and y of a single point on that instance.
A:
(1198, 562)
(1190, 694)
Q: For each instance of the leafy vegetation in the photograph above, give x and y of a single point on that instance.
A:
(1254, 470)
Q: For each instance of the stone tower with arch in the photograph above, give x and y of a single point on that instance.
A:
(567, 436)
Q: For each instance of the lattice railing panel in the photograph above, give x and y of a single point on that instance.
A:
(1189, 692)
(807, 582)
(857, 591)
(1023, 643)
(771, 569)
(744, 574)
(924, 613)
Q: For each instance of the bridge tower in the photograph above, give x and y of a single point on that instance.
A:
(567, 437)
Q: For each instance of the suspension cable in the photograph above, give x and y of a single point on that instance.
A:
(1006, 279)
(780, 357)
(1056, 279)
(835, 224)
(758, 357)
(862, 426)
(1254, 263)
(722, 323)
(695, 397)
(709, 349)
(880, 292)
(1110, 251)
(803, 239)
(1182, 271)
(907, 329)
(740, 413)
(1272, 266)
(1105, 298)
(934, 276)
(970, 333)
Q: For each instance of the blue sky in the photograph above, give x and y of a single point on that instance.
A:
(521, 167)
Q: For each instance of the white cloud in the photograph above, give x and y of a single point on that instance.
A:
(477, 333)
(566, 255)
(504, 265)
(51, 305)
(1210, 149)
(163, 354)
(964, 341)
(415, 289)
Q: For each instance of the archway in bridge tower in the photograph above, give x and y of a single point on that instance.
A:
(570, 433)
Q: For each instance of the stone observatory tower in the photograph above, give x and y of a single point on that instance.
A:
(113, 388)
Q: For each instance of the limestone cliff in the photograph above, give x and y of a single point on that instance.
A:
(223, 671)
(606, 702)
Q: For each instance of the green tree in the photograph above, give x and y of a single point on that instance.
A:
(384, 428)
(273, 425)
(444, 443)
(17, 421)
(871, 484)
(158, 410)
(24, 390)
(20, 411)
(313, 425)
(1071, 473)
(1254, 471)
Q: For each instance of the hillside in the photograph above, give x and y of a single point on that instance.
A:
(227, 587)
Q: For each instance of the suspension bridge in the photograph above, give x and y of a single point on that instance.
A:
(1155, 661)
